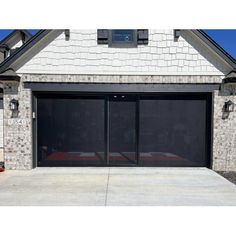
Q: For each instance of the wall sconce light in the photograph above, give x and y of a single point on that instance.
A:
(14, 107)
(227, 108)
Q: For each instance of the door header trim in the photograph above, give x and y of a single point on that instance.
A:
(120, 88)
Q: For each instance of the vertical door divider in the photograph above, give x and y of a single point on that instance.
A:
(137, 130)
(107, 130)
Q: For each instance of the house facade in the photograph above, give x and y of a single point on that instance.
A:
(117, 98)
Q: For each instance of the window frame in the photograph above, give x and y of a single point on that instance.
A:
(115, 44)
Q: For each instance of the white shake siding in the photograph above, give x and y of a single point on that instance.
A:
(82, 55)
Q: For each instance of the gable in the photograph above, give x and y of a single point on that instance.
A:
(82, 55)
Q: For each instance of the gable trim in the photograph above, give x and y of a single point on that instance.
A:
(8, 62)
(215, 47)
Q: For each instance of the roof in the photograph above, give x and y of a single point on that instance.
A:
(30, 48)
(215, 47)
(230, 78)
(15, 36)
(10, 75)
(41, 39)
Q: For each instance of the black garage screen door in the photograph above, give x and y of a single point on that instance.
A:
(123, 130)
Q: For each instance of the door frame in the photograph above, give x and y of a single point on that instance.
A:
(209, 123)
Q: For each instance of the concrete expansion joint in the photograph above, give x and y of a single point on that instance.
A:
(108, 177)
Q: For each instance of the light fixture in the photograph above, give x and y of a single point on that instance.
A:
(14, 105)
(227, 108)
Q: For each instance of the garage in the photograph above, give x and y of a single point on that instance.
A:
(123, 129)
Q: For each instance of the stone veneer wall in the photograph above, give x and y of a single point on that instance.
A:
(18, 131)
(224, 136)
(1, 134)
(162, 79)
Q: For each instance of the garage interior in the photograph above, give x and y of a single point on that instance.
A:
(123, 129)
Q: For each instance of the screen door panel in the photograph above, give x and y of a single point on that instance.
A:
(173, 132)
(122, 131)
(70, 131)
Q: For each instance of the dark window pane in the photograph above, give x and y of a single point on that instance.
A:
(123, 36)
(173, 132)
(71, 131)
(122, 149)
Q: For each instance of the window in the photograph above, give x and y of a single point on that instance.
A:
(122, 38)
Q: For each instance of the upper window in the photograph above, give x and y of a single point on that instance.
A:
(122, 38)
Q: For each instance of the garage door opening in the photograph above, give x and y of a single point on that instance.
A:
(70, 130)
(123, 130)
(173, 131)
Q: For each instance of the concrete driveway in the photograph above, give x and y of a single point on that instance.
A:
(116, 187)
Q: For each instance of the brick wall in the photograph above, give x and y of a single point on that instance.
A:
(18, 131)
(224, 136)
(1, 133)
(161, 79)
